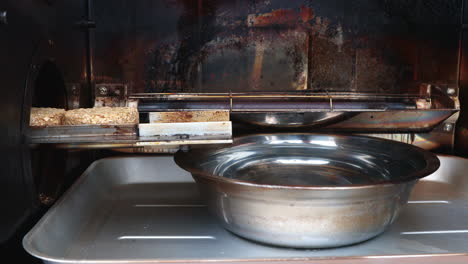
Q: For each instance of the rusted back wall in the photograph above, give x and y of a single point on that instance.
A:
(385, 46)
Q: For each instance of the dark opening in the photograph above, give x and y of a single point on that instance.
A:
(49, 87)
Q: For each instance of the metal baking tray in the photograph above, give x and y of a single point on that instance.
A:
(147, 210)
(116, 136)
(53, 134)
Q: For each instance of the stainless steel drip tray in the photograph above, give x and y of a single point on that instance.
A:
(147, 210)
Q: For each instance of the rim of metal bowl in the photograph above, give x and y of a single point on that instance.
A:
(432, 164)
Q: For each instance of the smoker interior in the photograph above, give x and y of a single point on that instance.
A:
(147, 209)
(390, 69)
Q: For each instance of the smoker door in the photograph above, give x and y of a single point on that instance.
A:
(18, 37)
(32, 34)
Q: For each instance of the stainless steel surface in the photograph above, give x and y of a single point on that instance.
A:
(307, 190)
(291, 119)
(148, 210)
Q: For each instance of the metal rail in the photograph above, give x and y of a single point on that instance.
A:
(326, 96)
(280, 102)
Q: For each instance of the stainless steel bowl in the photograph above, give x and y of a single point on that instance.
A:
(307, 190)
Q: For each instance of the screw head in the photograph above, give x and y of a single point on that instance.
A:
(184, 136)
(184, 148)
(451, 91)
(74, 90)
(448, 127)
(102, 90)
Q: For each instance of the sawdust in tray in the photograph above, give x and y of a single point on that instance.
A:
(46, 116)
(102, 116)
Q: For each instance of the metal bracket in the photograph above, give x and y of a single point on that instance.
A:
(425, 89)
(447, 89)
(111, 89)
(110, 94)
(230, 101)
(73, 91)
(184, 148)
(85, 24)
(448, 127)
(330, 101)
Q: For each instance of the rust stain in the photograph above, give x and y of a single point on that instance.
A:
(281, 17)
(190, 116)
(125, 130)
(413, 120)
(258, 65)
(108, 101)
(306, 14)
